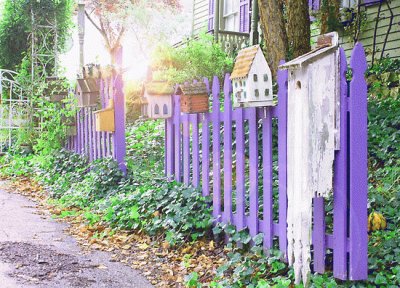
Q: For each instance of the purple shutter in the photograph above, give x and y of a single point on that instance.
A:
(211, 15)
(244, 16)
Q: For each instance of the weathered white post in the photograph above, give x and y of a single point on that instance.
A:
(313, 121)
(81, 32)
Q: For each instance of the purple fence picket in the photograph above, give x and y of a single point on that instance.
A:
(216, 127)
(227, 151)
(282, 158)
(340, 183)
(267, 180)
(358, 249)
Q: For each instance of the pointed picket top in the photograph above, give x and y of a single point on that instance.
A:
(207, 82)
(227, 92)
(358, 61)
(215, 94)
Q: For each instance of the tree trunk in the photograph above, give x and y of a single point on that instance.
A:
(274, 32)
(299, 32)
(330, 15)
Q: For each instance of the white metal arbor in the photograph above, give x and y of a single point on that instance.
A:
(15, 109)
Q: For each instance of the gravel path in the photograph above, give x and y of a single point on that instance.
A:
(35, 252)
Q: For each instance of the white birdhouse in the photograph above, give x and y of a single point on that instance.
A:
(157, 100)
(252, 79)
(313, 121)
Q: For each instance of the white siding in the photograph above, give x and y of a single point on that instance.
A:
(200, 16)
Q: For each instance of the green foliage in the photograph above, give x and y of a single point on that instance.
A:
(145, 146)
(196, 59)
(16, 26)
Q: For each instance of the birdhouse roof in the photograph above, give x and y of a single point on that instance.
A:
(159, 88)
(244, 61)
(199, 88)
(326, 43)
(88, 85)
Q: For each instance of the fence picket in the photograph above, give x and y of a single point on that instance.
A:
(205, 144)
(186, 149)
(318, 240)
(216, 150)
(195, 149)
(282, 158)
(358, 249)
(240, 170)
(253, 171)
(340, 183)
(267, 179)
(177, 138)
(227, 150)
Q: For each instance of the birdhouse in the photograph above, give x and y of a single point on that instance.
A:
(312, 133)
(88, 92)
(252, 79)
(157, 100)
(105, 118)
(194, 98)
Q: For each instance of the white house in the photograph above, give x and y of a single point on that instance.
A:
(252, 79)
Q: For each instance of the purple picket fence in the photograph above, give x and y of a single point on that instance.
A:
(95, 145)
(229, 165)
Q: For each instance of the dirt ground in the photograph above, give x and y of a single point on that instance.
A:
(36, 252)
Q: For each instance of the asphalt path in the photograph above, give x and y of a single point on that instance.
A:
(36, 252)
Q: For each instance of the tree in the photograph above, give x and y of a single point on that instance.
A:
(112, 18)
(330, 15)
(286, 29)
(298, 27)
(274, 30)
(16, 26)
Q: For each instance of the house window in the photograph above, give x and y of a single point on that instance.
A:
(244, 95)
(236, 84)
(257, 93)
(265, 77)
(165, 109)
(156, 110)
(231, 16)
(255, 78)
(266, 92)
(244, 83)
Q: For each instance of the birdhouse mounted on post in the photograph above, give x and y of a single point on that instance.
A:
(252, 79)
(313, 136)
(157, 100)
(194, 98)
(88, 92)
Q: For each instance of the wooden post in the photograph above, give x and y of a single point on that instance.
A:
(119, 105)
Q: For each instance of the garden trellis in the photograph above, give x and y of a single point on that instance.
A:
(15, 109)
(197, 154)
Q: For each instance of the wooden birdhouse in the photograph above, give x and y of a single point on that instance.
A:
(252, 79)
(88, 92)
(312, 133)
(105, 118)
(157, 100)
(194, 98)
